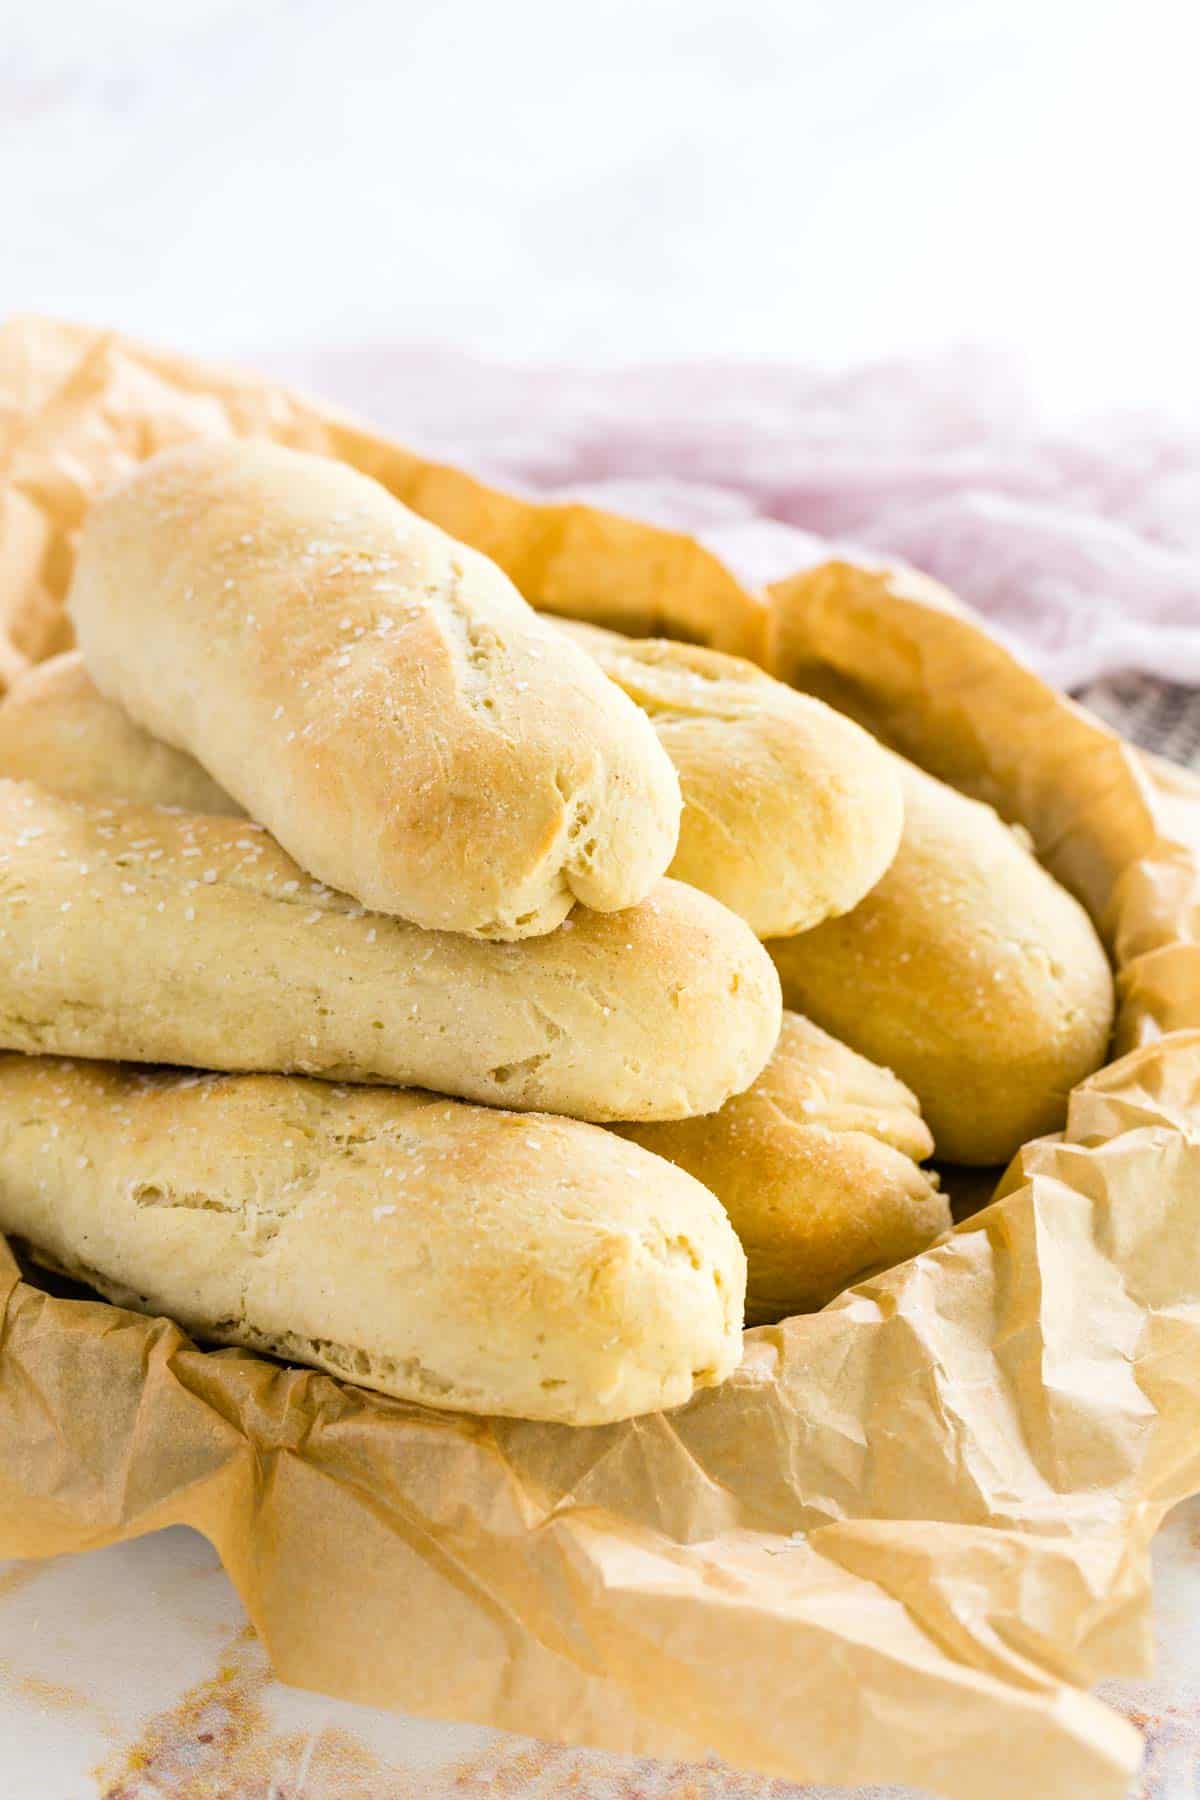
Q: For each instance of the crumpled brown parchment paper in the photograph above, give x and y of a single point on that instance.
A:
(907, 1535)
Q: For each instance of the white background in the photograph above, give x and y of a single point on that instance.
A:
(605, 179)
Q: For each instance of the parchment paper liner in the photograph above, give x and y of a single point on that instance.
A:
(901, 1541)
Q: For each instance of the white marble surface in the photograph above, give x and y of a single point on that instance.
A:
(129, 1674)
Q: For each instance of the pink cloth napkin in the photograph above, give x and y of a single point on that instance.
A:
(1082, 548)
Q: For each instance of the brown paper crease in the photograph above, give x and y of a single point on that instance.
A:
(905, 1538)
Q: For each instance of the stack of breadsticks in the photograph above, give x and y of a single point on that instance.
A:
(382, 971)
